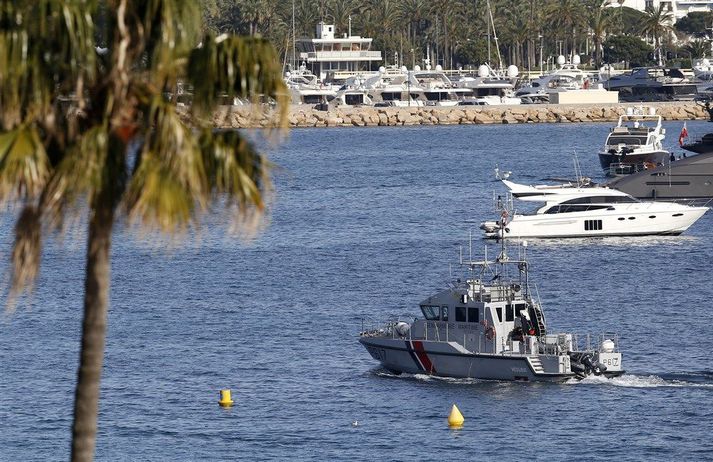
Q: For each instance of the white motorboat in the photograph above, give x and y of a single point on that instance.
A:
(437, 88)
(489, 325)
(567, 77)
(577, 210)
(635, 143)
(305, 87)
(489, 87)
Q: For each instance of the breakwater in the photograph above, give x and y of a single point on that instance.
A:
(305, 116)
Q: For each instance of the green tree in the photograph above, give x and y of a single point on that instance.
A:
(695, 23)
(633, 50)
(124, 149)
(657, 22)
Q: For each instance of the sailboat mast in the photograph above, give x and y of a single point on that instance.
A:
(294, 54)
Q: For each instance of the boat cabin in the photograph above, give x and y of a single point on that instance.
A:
(483, 318)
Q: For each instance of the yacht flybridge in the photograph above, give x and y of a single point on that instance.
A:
(585, 210)
(488, 325)
(635, 143)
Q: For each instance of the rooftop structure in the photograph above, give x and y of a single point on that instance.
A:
(331, 57)
(679, 8)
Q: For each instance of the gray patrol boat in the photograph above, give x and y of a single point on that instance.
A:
(489, 326)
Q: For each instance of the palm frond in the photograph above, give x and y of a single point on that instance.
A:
(25, 253)
(78, 176)
(168, 188)
(230, 66)
(24, 165)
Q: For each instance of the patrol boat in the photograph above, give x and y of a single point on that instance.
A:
(490, 326)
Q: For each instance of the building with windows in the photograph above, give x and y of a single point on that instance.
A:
(679, 8)
(336, 58)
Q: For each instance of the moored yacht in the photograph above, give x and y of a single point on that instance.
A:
(489, 325)
(577, 210)
(635, 143)
(688, 178)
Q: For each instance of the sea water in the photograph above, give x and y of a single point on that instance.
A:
(364, 224)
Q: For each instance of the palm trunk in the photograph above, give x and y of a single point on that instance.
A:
(96, 304)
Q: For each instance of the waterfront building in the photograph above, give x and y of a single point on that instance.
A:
(679, 8)
(335, 58)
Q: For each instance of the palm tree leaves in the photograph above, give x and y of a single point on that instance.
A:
(229, 66)
(24, 165)
(169, 183)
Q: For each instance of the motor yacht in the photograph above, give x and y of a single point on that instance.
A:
(652, 84)
(489, 87)
(585, 210)
(438, 90)
(489, 325)
(635, 143)
(565, 78)
(305, 88)
(688, 178)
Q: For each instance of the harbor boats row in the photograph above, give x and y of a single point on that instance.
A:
(332, 71)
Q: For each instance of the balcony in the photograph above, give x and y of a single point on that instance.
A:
(335, 56)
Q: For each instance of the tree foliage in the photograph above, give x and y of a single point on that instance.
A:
(94, 129)
(632, 50)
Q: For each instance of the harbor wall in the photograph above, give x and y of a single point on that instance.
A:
(304, 116)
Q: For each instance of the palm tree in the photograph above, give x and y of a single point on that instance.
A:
(599, 23)
(658, 22)
(124, 149)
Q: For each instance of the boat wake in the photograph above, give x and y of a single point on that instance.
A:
(700, 379)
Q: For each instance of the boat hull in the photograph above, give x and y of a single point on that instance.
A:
(448, 359)
(662, 219)
(637, 162)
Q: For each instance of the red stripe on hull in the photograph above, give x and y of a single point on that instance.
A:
(423, 357)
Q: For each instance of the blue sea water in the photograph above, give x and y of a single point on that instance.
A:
(364, 224)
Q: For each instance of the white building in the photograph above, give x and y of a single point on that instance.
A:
(679, 8)
(330, 57)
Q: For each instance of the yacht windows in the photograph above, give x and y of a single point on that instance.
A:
(431, 313)
(499, 310)
(460, 314)
(444, 313)
(509, 316)
(630, 140)
(575, 208)
(473, 314)
(592, 225)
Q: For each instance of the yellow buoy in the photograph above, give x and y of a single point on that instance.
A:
(225, 399)
(455, 419)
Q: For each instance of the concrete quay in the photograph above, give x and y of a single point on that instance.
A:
(304, 116)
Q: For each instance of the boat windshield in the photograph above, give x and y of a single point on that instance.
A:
(626, 139)
(431, 313)
(601, 200)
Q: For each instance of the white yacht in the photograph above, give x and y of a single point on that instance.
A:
(393, 86)
(567, 77)
(489, 87)
(579, 210)
(489, 325)
(635, 143)
(437, 88)
(305, 88)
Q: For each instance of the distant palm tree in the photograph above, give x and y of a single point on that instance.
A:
(564, 18)
(599, 23)
(698, 48)
(658, 22)
(120, 147)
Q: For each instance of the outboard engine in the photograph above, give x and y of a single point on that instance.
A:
(583, 364)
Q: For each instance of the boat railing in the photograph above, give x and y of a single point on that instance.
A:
(565, 342)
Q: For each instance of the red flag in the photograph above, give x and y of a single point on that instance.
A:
(684, 134)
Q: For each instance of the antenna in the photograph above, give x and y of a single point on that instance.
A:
(470, 245)
(460, 254)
